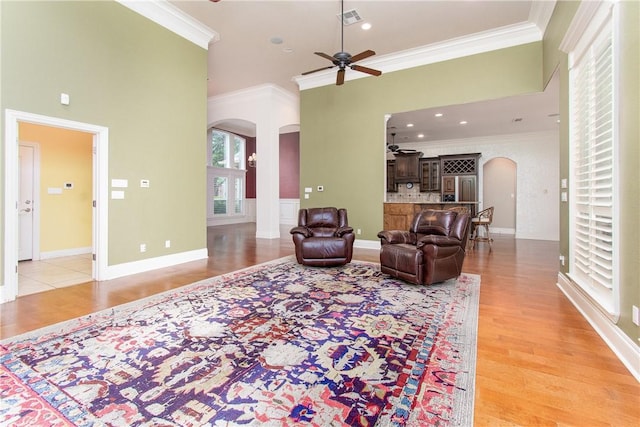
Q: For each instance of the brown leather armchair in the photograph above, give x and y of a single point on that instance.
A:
(432, 251)
(323, 237)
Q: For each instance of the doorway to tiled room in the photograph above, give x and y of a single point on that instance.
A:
(55, 207)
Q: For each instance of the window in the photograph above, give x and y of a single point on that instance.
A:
(592, 149)
(226, 174)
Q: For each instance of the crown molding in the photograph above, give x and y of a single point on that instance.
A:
(587, 11)
(485, 41)
(540, 13)
(170, 17)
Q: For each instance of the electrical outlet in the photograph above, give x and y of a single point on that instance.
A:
(562, 259)
(358, 231)
(143, 247)
(167, 243)
(636, 315)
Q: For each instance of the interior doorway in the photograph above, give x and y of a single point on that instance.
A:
(98, 194)
(499, 190)
(54, 208)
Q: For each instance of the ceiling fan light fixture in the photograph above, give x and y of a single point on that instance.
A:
(343, 59)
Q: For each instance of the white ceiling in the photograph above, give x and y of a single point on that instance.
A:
(244, 55)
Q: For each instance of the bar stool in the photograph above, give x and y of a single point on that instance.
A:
(483, 219)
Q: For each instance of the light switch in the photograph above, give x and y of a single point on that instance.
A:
(64, 99)
(563, 183)
(117, 194)
(308, 189)
(54, 190)
(119, 183)
(563, 196)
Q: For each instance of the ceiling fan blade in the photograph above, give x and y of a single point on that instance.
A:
(340, 78)
(362, 55)
(317, 69)
(366, 70)
(324, 55)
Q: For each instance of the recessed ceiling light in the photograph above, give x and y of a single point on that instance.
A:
(438, 114)
(366, 26)
(409, 125)
(421, 135)
(463, 122)
(276, 40)
(287, 50)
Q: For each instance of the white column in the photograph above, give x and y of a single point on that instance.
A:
(267, 178)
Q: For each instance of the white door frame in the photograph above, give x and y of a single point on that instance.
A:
(9, 290)
(36, 197)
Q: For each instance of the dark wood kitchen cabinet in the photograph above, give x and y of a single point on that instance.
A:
(407, 167)
(430, 174)
(392, 187)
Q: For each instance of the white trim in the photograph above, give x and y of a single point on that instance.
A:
(581, 21)
(142, 266)
(499, 230)
(624, 348)
(540, 13)
(366, 244)
(289, 211)
(65, 252)
(9, 288)
(173, 19)
(485, 41)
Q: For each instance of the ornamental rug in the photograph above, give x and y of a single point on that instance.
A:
(277, 344)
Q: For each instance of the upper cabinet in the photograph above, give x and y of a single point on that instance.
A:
(430, 174)
(407, 167)
(392, 187)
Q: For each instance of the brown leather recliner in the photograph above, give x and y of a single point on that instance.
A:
(323, 237)
(432, 251)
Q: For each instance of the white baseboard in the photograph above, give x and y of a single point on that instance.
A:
(366, 244)
(65, 252)
(498, 230)
(142, 266)
(624, 348)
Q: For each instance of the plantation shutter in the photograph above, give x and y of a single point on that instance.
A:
(592, 151)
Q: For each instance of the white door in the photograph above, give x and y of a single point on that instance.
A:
(25, 202)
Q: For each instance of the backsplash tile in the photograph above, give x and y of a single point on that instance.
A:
(412, 195)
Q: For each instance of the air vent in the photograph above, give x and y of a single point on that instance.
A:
(350, 17)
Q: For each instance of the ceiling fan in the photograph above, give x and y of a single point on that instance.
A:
(343, 59)
(395, 148)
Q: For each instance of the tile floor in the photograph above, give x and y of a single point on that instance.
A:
(48, 274)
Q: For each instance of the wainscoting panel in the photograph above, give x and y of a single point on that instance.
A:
(288, 213)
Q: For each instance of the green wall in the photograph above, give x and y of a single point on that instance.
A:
(143, 82)
(342, 128)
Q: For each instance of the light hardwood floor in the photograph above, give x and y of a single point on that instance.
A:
(539, 362)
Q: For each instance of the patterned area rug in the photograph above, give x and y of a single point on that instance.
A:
(277, 344)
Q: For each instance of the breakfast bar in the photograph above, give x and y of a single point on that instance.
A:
(398, 215)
